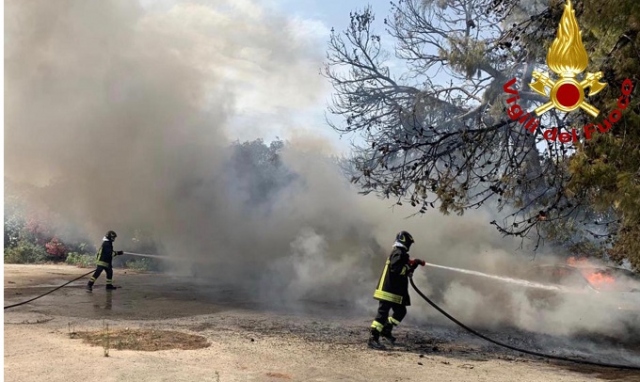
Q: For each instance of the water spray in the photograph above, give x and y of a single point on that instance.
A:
(526, 283)
(144, 255)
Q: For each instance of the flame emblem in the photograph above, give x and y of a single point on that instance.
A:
(567, 57)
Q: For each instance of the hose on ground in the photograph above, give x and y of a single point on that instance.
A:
(78, 278)
(530, 352)
(550, 356)
(51, 291)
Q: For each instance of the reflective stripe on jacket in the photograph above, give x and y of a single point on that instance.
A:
(393, 285)
(105, 253)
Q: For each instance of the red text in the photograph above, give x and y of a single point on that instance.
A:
(615, 115)
(515, 111)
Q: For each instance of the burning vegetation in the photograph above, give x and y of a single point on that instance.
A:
(598, 276)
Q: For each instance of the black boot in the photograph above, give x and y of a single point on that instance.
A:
(110, 287)
(89, 286)
(386, 333)
(374, 340)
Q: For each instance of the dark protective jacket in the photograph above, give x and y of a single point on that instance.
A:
(105, 254)
(393, 285)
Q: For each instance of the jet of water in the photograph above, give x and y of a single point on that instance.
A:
(526, 283)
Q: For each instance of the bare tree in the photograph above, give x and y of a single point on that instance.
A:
(427, 139)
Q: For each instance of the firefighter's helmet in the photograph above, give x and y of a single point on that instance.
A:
(405, 239)
(111, 235)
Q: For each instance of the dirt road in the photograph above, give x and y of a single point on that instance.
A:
(248, 340)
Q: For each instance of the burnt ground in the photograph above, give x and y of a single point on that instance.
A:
(246, 333)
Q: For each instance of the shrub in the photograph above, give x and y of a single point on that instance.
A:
(13, 225)
(25, 252)
(140, 264)
(81, 260)
(56, 248)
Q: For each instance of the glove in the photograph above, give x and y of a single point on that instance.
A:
(415, 262)
(119, 253)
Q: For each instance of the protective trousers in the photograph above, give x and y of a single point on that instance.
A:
(97, 273)
(385, 322)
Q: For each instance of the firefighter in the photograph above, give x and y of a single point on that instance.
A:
(393, 290)
(103, 261)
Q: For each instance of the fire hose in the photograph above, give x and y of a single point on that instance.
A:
(51, 291)
(76, 279)
(530, 352)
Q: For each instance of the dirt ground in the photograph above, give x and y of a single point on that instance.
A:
(248, 341)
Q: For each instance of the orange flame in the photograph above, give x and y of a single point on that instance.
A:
(599, 279)
(567, 55)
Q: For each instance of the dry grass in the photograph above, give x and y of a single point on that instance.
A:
(143, 340)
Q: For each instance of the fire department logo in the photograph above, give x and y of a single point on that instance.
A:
(567, 58)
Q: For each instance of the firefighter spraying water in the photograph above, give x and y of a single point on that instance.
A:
(104, 259)
(393, 290)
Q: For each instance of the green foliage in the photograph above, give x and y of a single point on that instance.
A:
(81, 260)
(605, 169)
(142, 264)
(25, 252)
(464, 53)
(14, 224)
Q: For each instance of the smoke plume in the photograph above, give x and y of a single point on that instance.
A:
(125, 118)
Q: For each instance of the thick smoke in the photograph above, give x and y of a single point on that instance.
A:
(126, 117)
(128, 111)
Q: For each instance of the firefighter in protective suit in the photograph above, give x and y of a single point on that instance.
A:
(104, 258)
(393, 290)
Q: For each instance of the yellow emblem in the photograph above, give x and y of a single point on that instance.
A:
(567, 57)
